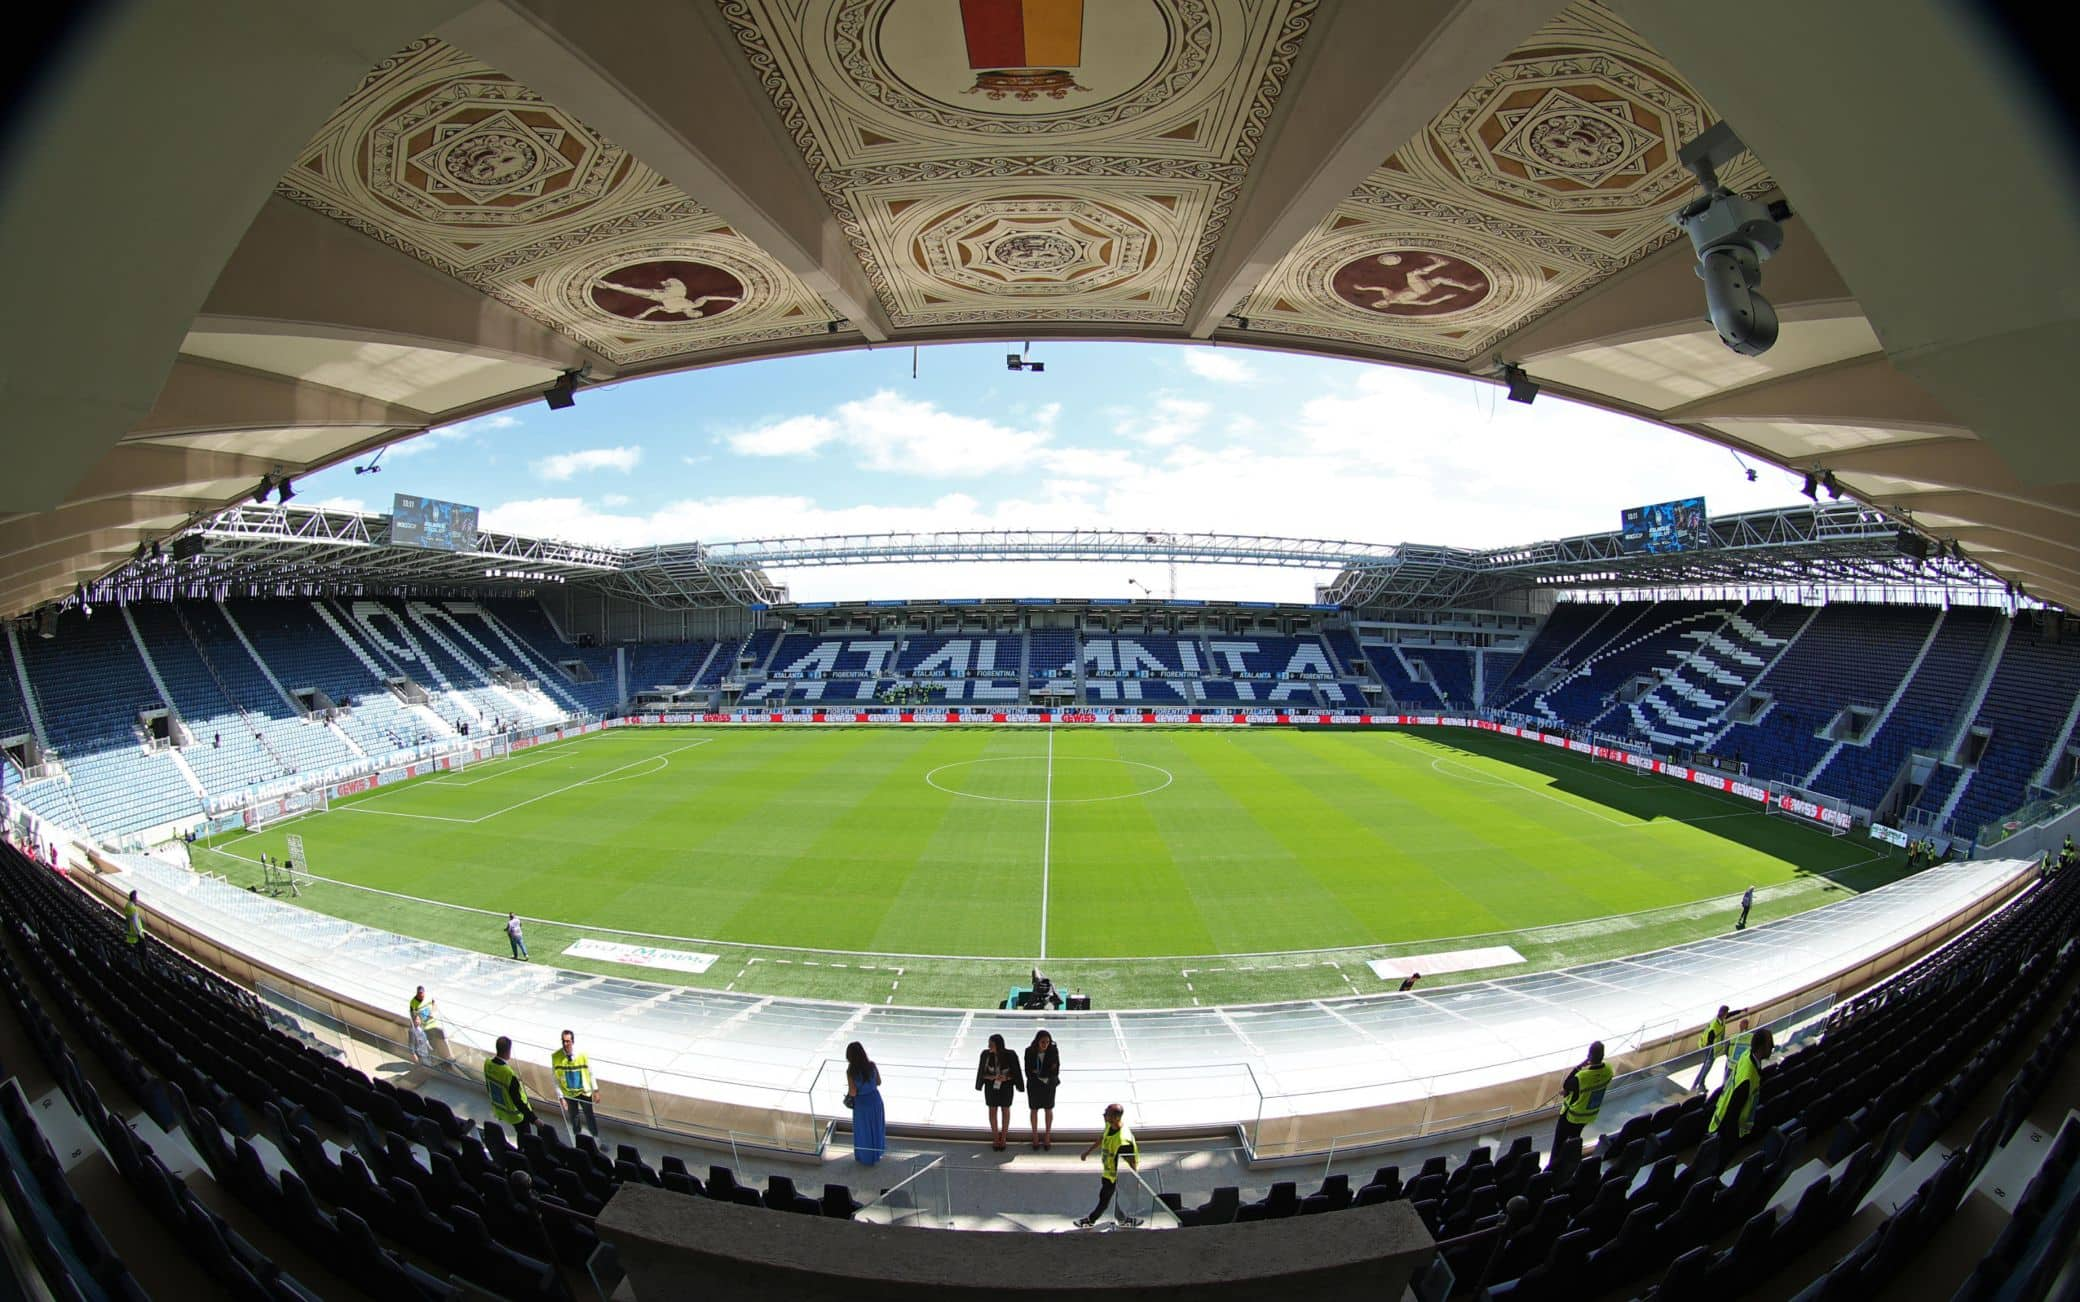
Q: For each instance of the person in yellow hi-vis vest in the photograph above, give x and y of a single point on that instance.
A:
(509, 1101)
(133, 929)
(574, 1082)
(1581, 1099)
(1742, 1091)
(1117, 1141)
(1713, 1042)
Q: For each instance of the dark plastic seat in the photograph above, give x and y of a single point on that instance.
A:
(1387, 1178)
(781, 1196)
(838, 1202)
(1220, 1207)
(1333, 1196)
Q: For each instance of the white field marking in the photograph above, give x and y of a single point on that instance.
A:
(561, 750)
(1546, 931)
(498, 771)
(359, 807)
(1047, 837)
(1168, 778)
(1490, 780)
(1478, 778)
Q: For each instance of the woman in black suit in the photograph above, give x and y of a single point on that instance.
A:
(1043, 1073)
(997, 1076)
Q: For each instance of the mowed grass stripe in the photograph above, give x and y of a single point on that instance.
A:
(1116, 880)
(1266, 840)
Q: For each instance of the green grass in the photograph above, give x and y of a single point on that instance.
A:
(1173, 866)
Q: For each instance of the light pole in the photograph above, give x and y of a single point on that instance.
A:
(1165, 540)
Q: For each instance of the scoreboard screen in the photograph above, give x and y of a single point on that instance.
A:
(1664, 527)
(432, 524)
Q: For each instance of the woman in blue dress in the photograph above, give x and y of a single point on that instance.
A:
(863, 1096)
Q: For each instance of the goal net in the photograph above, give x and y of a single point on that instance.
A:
(477, 752)
(263, 814)
(1815, 809)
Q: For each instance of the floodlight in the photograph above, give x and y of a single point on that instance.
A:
(1834, 490)
(563, 394)
(1013, 362)
(1812, 486)
(260, 492)
(285, 492)
(1522, 388)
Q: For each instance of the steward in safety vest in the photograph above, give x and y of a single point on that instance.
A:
(1743, 1088)
(133, 922)
(1585, 1086)
(574, 1082)
(1581, 1099)
(1713, 1041)
(508, 1096)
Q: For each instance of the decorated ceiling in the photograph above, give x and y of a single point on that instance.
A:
(1551, 172)
(1013, 160)
(522, 190)
(462, 167)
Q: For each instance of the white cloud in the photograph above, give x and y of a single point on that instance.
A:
(615, 500)
(563, 465)
(1220, 367)
(1375, 455)
(889, 432)
(1167, 423)
(354, 504)
(795, 436)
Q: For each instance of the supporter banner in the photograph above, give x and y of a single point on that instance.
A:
(1889, 835)
(607, 951)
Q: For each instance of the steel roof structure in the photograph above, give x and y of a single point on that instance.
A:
(370, 220)
(274, 549)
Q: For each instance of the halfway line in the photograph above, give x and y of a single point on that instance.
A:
(1046, 836)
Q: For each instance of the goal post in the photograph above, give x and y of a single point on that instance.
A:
(263, 814)
(1813, 808)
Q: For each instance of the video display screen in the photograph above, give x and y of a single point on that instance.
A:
(1677, 526)
(433, 525)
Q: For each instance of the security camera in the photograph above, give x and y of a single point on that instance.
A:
(1733, 236)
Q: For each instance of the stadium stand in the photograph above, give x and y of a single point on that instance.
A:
(1451, 674)
(1945, 718)
(525, 621)
(393, 1192)
(1392, 664)
(2028, 702)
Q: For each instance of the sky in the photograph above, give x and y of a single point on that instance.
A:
(1143, 437)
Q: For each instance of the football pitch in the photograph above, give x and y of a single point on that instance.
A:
(1149, 867)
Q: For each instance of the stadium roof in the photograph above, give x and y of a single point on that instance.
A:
(296, 549)
(253, 238)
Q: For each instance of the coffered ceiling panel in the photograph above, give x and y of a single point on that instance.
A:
(1015, 160)
(462, 167)
(1554, 170)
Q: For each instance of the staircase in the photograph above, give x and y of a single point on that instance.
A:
(245, 717)
(266, 672)
(333, 621)
(29, 705)
(524, 656)
(151, 669)
(1981, 683)
(1900, 689)
(180, 764)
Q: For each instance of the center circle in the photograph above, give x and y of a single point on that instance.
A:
(1023, 779)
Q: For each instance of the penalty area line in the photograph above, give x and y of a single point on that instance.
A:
(359, 807)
